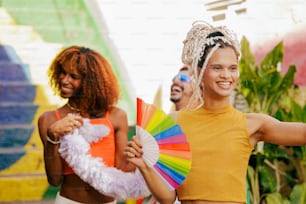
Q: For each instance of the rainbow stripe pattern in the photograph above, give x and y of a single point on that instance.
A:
(164, 143)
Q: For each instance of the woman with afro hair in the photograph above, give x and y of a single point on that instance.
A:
(86, 79)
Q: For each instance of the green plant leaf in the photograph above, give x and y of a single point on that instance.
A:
(245, 51)
(267, 181)
(274, 57)
(275, 198)
(273, 151)
(298, 194)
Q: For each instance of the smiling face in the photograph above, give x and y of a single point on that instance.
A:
(70, 80)
(221, 74)
(181, 88)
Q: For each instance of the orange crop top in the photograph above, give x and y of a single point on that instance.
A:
(104, 148)
(220, 147)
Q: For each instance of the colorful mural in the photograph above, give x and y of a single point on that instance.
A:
(22, 174)
(27, 46)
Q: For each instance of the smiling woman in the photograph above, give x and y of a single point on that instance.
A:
(86, 79)
(219, 135)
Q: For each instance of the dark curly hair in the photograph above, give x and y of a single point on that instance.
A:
(99, 89)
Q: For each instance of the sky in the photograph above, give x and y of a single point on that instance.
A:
(148, 34)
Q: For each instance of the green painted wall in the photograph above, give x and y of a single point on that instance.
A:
(70, 22)
(65, 22)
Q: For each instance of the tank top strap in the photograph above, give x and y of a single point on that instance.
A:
(57, 115)
(107, 114)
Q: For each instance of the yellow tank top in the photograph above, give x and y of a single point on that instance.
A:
(221, 149)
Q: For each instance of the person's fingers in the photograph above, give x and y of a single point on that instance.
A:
(136, 140)
(128, 151)
(77, 123)
(133, 150)
(74, 121)
(131, 155)
(136, 146)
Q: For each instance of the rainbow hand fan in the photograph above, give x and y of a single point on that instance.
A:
(164, 144)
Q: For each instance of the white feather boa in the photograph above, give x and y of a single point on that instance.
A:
(74, 148)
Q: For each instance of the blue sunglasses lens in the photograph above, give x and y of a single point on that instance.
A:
(182, 77)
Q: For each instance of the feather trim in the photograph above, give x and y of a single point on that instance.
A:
(110, 181)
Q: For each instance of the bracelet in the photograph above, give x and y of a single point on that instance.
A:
(52, 141)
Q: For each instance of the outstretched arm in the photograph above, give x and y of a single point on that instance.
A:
(158, 188)
(266, 128)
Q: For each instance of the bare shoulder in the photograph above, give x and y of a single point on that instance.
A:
(257, 121)
(46, 118)
(118, 117)
(44, 121)
(259, 118)
(117, 112)
(260, 125)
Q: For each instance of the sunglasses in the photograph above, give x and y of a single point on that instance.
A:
(182, 77)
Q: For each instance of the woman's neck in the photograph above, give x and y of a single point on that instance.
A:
(73, 107)
(213, 104)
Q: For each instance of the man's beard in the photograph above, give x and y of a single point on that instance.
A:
(178, 99)
(175, 100)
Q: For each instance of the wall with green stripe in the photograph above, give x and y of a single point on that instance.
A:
(66, 22)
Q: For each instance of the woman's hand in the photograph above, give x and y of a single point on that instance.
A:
(64, 126)
(157, 186)
(133, 152)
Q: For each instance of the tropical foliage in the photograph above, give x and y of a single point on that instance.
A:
(276, 174)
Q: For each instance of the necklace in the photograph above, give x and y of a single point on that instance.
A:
(73, 108)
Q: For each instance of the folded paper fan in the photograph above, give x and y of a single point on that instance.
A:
(165, 146)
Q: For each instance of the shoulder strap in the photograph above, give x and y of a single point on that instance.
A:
(57, 115)
(107, 114)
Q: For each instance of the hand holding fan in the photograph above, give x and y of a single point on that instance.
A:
(164, 144)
